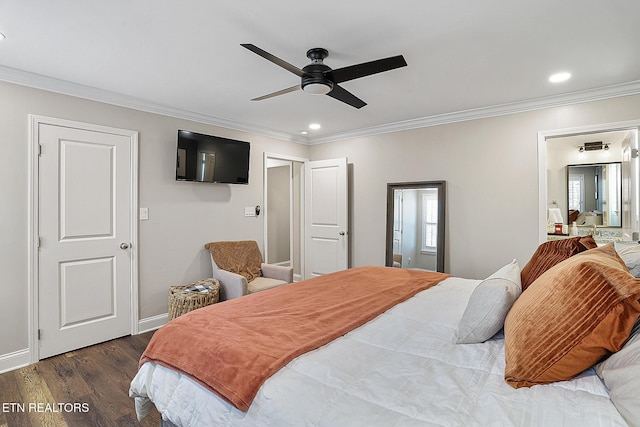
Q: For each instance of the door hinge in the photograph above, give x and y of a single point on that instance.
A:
(39, 334)
(39, 149)
(39, 241)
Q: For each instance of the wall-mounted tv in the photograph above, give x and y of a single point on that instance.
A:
(207, 158)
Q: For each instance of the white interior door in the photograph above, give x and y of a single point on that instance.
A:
(85, 220)
(326, 216)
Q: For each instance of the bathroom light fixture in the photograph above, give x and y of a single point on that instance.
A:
(560, 77)
(593, 146)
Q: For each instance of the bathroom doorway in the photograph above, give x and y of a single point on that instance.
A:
(283, 198)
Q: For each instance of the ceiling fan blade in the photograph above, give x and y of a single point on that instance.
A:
(341, 94)
(367, 68)
(269, 57)
(280, 92)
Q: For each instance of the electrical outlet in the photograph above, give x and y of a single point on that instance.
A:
(144, 214)
(250, 211)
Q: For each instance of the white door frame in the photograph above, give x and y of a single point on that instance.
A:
(542, 161)
(34, 220)
(285, 157)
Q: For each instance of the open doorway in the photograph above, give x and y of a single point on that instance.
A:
(283, 201)
(561, 150)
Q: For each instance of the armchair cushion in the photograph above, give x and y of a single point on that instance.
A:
(263, 283)
(240, 257)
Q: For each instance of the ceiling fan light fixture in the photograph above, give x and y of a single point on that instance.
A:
(317, 88)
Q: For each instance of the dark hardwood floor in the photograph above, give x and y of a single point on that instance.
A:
(86, 387)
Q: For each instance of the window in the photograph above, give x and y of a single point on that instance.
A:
(429, 220)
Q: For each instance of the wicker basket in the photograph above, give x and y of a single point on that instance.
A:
(181, 301)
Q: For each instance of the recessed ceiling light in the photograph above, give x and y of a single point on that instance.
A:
(314, 126)
(560, 77)
(303, 132)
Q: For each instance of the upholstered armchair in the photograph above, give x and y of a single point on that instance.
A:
(240, 269)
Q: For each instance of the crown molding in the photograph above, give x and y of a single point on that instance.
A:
(613, 91)
(38, 81)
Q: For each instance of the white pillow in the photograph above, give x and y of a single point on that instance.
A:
(630, 254)
(621, 375)
(489, 304)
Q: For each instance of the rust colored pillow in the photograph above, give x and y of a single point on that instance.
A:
(547, 255)
(588, 242)
(576, 314)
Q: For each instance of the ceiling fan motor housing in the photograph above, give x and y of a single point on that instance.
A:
(317, 73)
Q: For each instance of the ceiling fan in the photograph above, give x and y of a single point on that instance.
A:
(319, 79)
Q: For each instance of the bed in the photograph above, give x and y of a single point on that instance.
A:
(430, 358)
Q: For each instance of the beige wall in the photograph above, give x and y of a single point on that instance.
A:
(491, 170)
(182, 216)
(490, 166)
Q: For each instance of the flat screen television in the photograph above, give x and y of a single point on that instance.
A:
(207, 158)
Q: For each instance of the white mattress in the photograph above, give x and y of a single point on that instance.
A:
(401, 369)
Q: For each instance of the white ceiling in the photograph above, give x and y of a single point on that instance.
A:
(465, 58)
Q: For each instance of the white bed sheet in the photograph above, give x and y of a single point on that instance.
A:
(401, 369)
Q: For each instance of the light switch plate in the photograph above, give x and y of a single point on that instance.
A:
(144, 214)
(250, 211)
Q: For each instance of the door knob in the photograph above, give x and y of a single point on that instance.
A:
(124, 246)
(341, 233)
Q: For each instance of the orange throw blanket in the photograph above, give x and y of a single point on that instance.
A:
(241, 257)
(233, 347)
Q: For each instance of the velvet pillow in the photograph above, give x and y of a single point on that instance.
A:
(588, 242)
(549, 254)
(576, 314)
(489, 304)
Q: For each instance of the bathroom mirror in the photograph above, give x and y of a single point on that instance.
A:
(594, 193)
(415, 225)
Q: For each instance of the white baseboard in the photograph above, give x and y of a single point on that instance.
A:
(152, 323)
(21, 358)
(15, 360)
